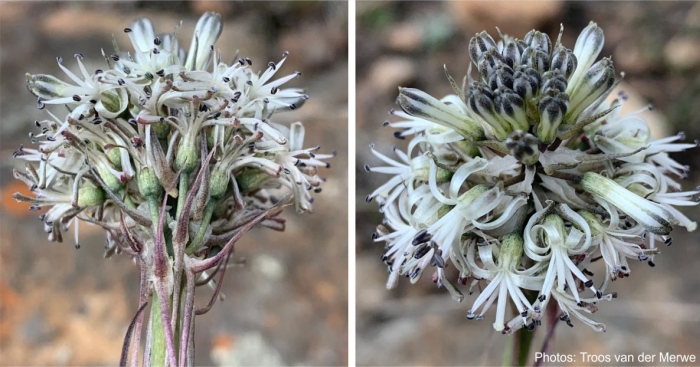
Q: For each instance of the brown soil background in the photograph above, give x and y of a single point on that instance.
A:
(288, 305)
(406, 44)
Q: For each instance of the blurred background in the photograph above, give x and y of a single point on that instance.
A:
(286, 306)
(406, 44)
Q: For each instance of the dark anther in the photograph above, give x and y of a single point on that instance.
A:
(589, 283)
(77, 246)
(292, 106)
(273, 90)
(148, 75)
(385, 123)
(59, 60)
(160, 72)
(599, 294)
(120, 81)
(226, 79)
(272, 65)
(156, 41)
(397, 135)
(368, 198)
(542, 297)
(127, 30)
(76, 98)
(651, 263)
(249, 61)
(115, 57)
(241, 61)
(79, 56)
(156, 51)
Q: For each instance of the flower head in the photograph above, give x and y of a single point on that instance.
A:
(527, 180)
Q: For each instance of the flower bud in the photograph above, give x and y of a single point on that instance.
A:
(538, 40)
(250, 180)
(162, 129)
(594, 84)
(588, 46)
(47, 87)
(218, 184)
(512, 53)
(510, 106)
(186, 158)
(564, 60)
(653, 217)
(112, 182)
(553, 81)
(90, 195)
(526, 82)
(536, 59)
(552, 109)
(479, 44)
(489, 62)
(148, 183)
(206, 33)
(523, 146)
(114, 156)
(420, 104)
(511, 251)
(480, 101)
(502, 76)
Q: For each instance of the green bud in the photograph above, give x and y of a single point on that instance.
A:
(218, 184)
(511, 251)
(186, 159)
(111, 181)
(148, 183)
(162, 129)
(251, 180)
(114, 156)
(90, 195)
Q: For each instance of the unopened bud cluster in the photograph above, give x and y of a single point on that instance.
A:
(528, 180)
(175, 154)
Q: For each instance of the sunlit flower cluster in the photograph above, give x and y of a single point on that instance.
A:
(175, 154)
(527, 179)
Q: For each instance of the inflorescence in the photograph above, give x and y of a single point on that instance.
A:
(526, 179)
(176, 155)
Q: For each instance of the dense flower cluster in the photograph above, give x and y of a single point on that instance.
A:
(174, 154)
(526, 179)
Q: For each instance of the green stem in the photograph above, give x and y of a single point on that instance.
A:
(197, 240)
(157, 334)
(523, 344)
(182, 195)
(523, 338)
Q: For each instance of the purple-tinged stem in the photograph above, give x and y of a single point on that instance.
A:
(222, 265)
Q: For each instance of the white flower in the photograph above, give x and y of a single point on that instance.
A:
(652, 216)
(506, 280)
